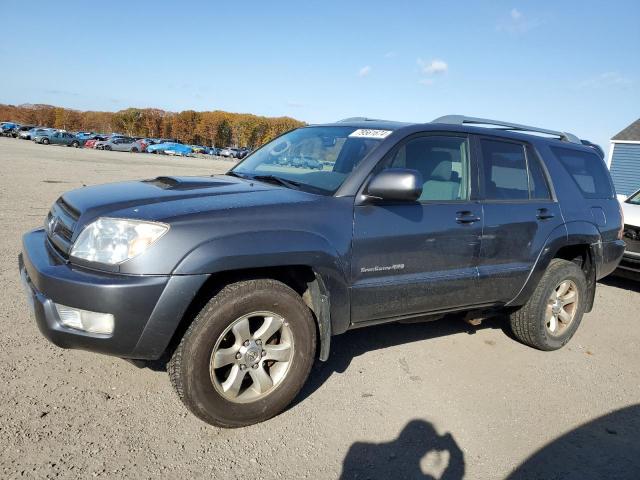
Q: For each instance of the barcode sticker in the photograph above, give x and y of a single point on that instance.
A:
(368, 133)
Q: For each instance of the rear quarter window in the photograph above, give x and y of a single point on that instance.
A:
(587, 170)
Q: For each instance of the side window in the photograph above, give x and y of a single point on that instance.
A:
(443, 162)
(587, 170)
(504, 171)
(537, 178)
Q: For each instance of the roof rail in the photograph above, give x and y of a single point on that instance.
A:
(359, 119)
(461, 119)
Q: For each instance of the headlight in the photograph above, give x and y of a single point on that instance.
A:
(114, 240)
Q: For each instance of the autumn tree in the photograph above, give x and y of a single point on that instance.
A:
(212, 127)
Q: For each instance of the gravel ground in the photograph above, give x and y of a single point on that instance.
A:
(395, 401)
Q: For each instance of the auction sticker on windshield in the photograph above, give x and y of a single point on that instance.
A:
(368, 133)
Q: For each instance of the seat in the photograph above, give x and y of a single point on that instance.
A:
(441, 183)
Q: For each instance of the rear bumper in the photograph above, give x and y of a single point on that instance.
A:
(630, 262)
(147, 309)
(607, 257)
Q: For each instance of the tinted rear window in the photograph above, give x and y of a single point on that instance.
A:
(505, 171)
(587, 170)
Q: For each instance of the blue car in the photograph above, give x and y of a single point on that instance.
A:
(7, 127)
(170, 148)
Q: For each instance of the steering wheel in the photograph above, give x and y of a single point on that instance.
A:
(286, 145)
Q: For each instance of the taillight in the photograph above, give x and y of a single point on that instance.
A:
(621, 231)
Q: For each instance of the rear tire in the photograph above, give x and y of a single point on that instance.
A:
(107, 147)
(193, 373)
(75, 144)
(554, 311)
(134, 150)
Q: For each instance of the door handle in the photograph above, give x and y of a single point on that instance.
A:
(466, 217)
(544, 214)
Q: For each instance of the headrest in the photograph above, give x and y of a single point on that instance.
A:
(443, 166)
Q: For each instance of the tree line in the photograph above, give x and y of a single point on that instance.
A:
(211, 128)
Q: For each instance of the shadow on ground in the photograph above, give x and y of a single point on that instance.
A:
(623, 280)
(605, 448)
(353, 343)
(401, 458)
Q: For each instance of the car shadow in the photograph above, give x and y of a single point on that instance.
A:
(607, 447)
(623, 280)
(353, 343)
(401, 458)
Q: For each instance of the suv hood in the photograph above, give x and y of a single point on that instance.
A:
(164, 198)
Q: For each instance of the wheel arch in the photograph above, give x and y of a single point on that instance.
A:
(579, 244)
(303, 279)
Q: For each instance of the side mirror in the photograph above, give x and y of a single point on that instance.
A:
(396, 184)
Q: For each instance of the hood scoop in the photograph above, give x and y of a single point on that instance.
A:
(186, 183)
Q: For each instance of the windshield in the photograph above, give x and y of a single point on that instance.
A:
(635, 198)
(316, 159)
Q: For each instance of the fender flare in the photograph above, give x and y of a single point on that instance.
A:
(565, 235)
(329, 292)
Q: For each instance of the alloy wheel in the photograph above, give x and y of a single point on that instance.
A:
(562, 306)
(251, 357)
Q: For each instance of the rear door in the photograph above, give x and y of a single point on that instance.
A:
(519, 212)
(410, 258)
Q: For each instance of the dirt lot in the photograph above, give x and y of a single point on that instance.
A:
(396, 401)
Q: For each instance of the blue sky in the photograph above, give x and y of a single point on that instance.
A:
(571, 65)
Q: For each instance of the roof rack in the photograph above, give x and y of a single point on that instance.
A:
(359, 119)
(461, 119)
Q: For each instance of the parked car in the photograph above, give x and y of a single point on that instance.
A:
(57, 138)
(631, 259)
(240, 278)
(91, 142)
(199, 149)
(84, 136)
(170, 148)
(143, 143)
(7, 127)
(227, 152)
(242, 152)
(119, 144)
(22, 131)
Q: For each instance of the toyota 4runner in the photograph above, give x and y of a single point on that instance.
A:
(239, 279)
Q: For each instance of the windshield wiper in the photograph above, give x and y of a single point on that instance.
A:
(281, 181)
(231, 173)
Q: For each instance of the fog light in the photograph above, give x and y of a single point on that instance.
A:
(84, 320)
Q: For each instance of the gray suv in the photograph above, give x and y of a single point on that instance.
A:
(241, 280)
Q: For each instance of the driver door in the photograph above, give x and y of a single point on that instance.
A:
(411, 258)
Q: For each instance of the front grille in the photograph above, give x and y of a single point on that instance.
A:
(60, 225)
(632, 238)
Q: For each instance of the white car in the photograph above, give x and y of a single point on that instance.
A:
(631, 209)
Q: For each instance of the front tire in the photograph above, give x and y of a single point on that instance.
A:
(75, 144)
(554, 311)
(45, 141)
(246, 355)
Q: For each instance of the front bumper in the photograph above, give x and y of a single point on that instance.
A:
(147, 308)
